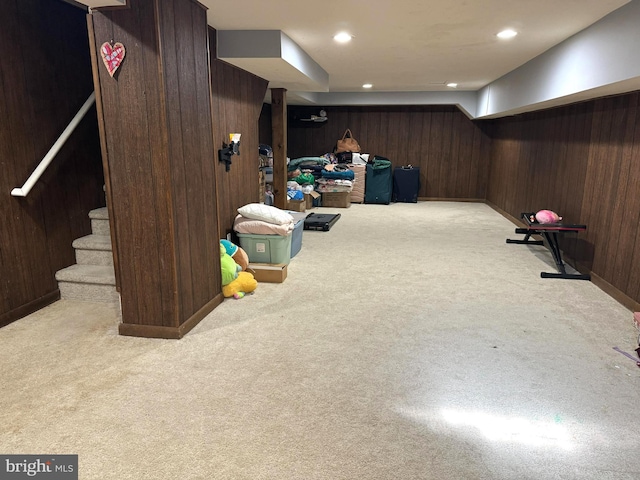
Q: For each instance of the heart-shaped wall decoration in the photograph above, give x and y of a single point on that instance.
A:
(112, 56)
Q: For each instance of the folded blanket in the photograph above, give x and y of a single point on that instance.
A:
(258, 227)
(299, 162)
(344, 175)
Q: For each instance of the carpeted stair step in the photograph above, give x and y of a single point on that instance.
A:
(93, 250)
(91, 283)
(100, 221)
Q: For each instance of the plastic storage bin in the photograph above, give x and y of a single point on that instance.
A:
(296, 238)
(266, 248)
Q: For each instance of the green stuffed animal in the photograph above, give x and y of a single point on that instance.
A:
(238, 254)
(235, 282)
(228, 266)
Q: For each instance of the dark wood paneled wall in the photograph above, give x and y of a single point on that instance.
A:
(157, 138)
(237, 98)
(451, 150)
(582, 161)
(45, 77)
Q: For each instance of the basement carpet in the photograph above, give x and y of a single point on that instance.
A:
(409, 342)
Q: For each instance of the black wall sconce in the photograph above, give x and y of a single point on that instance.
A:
(227, 151)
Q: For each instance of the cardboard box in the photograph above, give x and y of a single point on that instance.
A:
(297, 205)
(268, 272)
(336, 199)
(312, 199)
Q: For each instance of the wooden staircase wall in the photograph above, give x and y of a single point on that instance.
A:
(46, 77)
(158, 152)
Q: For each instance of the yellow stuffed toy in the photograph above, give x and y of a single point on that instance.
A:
(245, 283)
(235, 283)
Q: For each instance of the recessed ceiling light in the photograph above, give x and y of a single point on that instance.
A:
(452, 85)
(342, 37)
(507, 34)
(367, 85)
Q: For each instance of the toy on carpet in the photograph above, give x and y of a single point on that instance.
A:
(234, 280)
(237, 253)
(546, 216)
(245, 283)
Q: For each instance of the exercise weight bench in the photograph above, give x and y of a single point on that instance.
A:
(549, 231)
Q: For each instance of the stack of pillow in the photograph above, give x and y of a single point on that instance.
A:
(260, 219)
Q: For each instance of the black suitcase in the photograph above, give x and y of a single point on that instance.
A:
(378, 181)
(406, 184)
(321, 221)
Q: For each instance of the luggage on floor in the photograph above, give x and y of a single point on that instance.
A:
(357, 194)
(406, 184)
(321, 221)
(378, 181)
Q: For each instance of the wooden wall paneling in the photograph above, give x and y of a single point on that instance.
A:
(480, 162)
(631, 224)
(36, 117)
(150, 294)
(414, 143)
(496, 165)
(594, 200)
(374, 133)
(391, 137)
(220, 73)
(186, 65)
(209, 217)
(611, 184)
(363, 134)
(484, 160)
(509, 154)
(449, 167)
(578, 158)
(137, 144)
(264, 128)
(557, 178)
(425, 156)
(326, 142)
(158, 139)
(441, 144)
(464, 139)
(43, 55)
(622, 241)
(177, 56)
(510, 151)
(475, 152)
(436, 150)
(404, 117)
(16, 273)
(237, 107)
(460, 137)
(279, 124)
(534, 158)
(581, 161)
(546, 171)
(437, 139)
(560, 183)
(455, 164)
(535, 154)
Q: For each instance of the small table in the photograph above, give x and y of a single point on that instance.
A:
(550, 232)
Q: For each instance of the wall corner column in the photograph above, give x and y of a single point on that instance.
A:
(279, 134)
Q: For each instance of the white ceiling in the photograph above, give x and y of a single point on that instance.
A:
(405, 45)
(413, 45)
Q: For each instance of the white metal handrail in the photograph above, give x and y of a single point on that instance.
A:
(55, 148)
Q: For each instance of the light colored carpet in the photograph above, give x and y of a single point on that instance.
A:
(409, 342)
